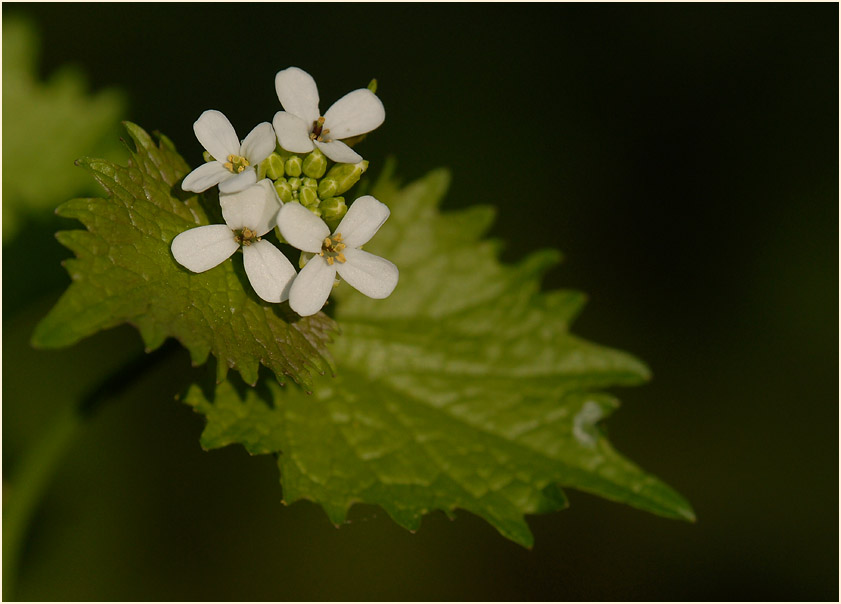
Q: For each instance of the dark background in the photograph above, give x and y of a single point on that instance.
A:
(684, 158)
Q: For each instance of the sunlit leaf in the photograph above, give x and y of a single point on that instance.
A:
(124, 273)
(464, 389)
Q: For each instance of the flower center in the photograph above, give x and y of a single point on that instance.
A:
(332, 248)
(236, 163)
(319, 132)
(246, 236)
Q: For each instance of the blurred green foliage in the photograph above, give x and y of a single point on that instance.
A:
(47, 125)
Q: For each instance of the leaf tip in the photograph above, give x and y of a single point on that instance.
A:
(687, 513)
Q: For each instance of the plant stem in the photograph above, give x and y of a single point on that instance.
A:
(28, 484)
(29, 481)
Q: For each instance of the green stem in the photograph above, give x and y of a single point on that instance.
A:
(32, 476)
(28, 484)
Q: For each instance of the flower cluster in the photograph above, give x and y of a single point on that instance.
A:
(265, 184)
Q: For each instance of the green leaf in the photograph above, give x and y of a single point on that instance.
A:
(46, 126)
(124, 273)
(464, 389)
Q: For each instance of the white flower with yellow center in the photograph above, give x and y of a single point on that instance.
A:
(301, 127)
(337, 253)
(249, 215)
(234, 168)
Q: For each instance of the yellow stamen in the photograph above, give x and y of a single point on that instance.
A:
(236, 164)
(331, 249)
(246, 237)
(318, 130)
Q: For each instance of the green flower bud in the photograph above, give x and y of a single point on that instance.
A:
(283, 153)
(207, 156)
(284, 191)
(372, 85)
(327, 187)
(293, 166)
(274, 166)
(295, 183)
(333, 209)
(309, 182)
(308, 197)
(315, 164)
(340, 178)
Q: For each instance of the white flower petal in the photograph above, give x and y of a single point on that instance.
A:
(373, 276)
(269, 186)
(256, 208)
(205, 176)
(216, 134)
(301, 228)
(298, 93)
(312, 286)
(292, 132)
(269, 271)
(363, 219)
(355, 113)
(339, 152)
(238, 182)
(259, 143)
(204, 247)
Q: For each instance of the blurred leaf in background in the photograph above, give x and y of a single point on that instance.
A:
(47, 125)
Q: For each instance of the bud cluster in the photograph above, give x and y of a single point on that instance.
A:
(290, 176)
(307, 180)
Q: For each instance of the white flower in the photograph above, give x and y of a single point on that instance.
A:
(249, 215)
(234, 169)
(301, 126)
(373, 276)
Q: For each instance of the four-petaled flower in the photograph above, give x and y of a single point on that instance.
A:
(251, 209)
(249, 215)
(301, 126)
(373, 276)
(234, 168)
